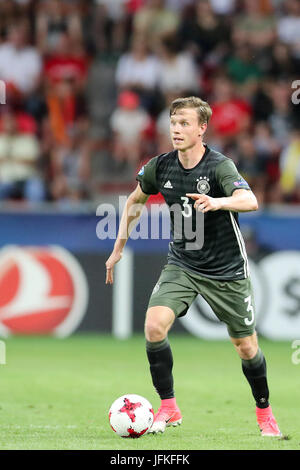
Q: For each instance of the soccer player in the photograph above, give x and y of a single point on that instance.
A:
(198, 180)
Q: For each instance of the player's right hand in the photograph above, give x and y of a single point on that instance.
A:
(110, 263)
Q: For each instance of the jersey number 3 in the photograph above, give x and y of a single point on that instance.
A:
(187, 212)
(249, 309)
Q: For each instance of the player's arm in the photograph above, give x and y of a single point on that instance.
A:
(131, 214)
(242, 200)
(238, 196)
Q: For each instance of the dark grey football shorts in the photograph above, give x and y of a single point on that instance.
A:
(231, 301)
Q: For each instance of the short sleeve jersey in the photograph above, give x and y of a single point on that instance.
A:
(222, 254)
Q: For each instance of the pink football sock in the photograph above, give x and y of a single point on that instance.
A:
(169, 403)
(261, 412)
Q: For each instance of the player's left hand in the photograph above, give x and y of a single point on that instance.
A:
(205, 203)
(110, 264)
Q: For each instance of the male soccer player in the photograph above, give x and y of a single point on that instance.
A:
(197, 178)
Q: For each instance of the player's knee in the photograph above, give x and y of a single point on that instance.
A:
(246, 349)
(154, 330)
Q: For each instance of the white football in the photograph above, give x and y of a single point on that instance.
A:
(131, 416)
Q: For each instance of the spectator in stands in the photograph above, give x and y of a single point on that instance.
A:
(281, 118)
(65, 63)
(19, 154)
(251, 164)
(261, 100)
(269, 150)
(281, 62)
(256, 25)
(289, 27)
(243, 70)
(206, 35)
(231, 114)
(70, 166)
(128, 123)
(155, 20)
(54, 19)
(138, 68)
(290, 167)
(177, 70)
(10, 13)
(110, 25)
(68, 196)
(246, 59)
(20, 63)
(65, 76)
(265, 143)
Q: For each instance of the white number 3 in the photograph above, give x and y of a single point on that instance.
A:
(249, 309)
(187, 212)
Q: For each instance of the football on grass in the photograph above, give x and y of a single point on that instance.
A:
(131, 416)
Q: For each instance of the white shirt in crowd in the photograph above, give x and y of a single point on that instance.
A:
(289, 33)
(129, 124)
(22, 67)
(143, 72)
(17, 157)
(179, 74)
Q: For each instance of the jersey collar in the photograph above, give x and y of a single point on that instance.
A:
(188, 170)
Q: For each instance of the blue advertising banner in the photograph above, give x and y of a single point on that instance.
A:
(77, 232)
(52, 275)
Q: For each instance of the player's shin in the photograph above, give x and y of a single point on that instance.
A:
(255, 371)
(161, 363)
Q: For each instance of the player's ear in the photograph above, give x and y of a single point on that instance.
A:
(203, 127)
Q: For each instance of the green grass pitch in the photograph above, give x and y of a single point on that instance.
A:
(55, 394)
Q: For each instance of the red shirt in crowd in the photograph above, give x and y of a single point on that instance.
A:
(230, 117)
(59, 68)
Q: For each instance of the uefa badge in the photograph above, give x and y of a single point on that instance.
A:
(203, 186)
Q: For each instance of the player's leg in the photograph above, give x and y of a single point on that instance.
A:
(159, 320)
(255, 370)
(170, 298)
(232, 302)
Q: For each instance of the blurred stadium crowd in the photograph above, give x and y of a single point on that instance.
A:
(88, 84)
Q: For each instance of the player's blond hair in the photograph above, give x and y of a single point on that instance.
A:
(203, 109)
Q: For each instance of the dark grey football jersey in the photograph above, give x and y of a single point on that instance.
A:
(222, 254)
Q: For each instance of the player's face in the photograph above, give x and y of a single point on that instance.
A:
(185, 129)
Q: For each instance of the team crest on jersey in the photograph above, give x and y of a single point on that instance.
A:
(203, 186)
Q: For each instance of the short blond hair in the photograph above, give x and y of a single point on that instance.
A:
(203, 109)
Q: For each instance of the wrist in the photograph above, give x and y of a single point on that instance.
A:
(118, 247)
(222, 203)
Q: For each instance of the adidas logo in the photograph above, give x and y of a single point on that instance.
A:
(168, 185)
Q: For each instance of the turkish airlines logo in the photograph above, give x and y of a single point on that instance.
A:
(42, 291)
